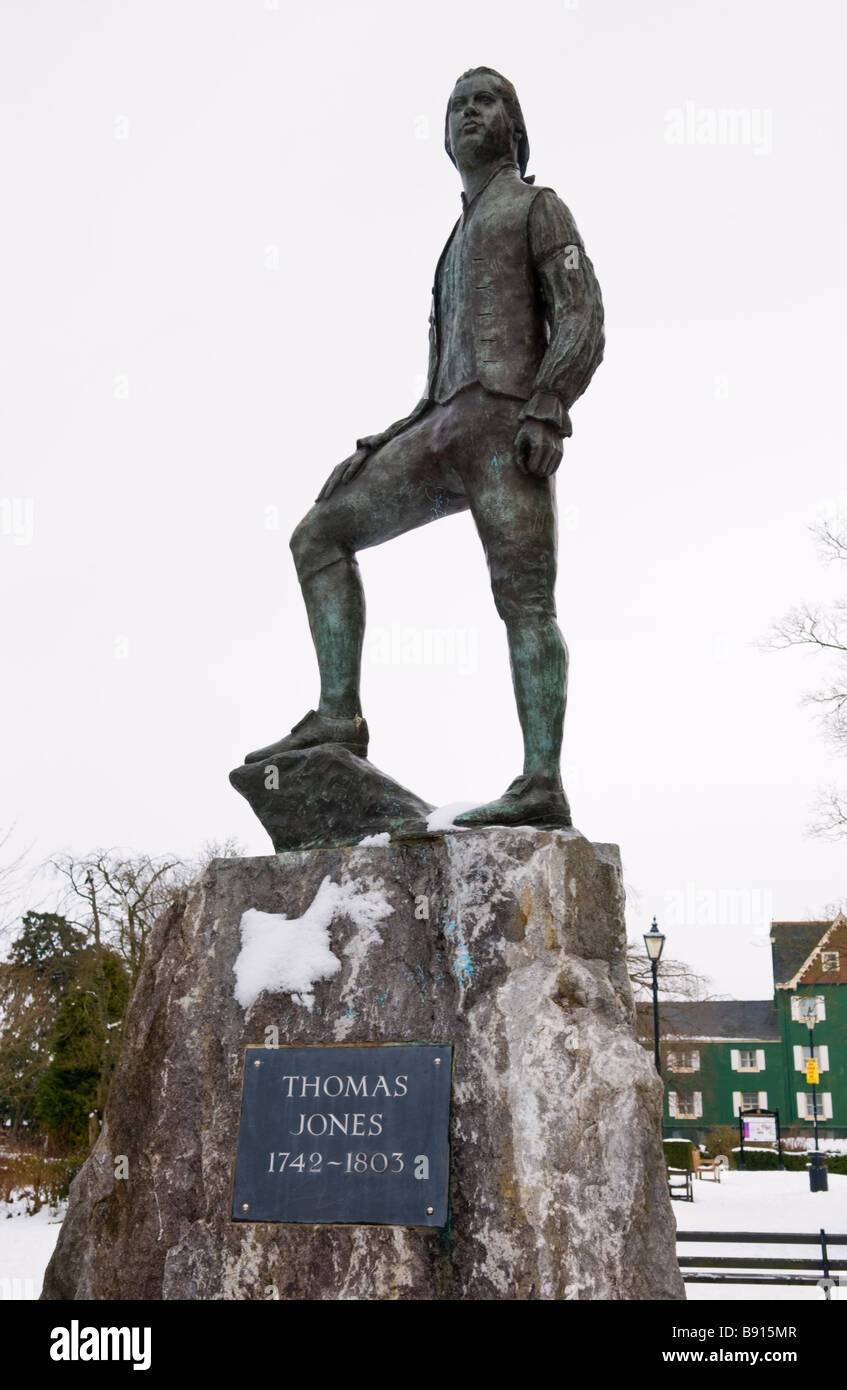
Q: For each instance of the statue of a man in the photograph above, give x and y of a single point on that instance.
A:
(516, 332)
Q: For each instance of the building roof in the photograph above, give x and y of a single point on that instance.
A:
(755, 1020)
(793, 943)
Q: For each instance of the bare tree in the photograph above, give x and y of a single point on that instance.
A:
(11, 873)
(828, 912)
(230, 848)
(676, 979)
(117, 895)
(114, 897)
(823, 628)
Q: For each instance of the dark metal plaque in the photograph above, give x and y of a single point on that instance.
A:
(353, 1135)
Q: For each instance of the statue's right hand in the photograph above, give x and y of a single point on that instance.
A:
(344, 473)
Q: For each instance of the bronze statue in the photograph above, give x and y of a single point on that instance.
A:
(516, 333)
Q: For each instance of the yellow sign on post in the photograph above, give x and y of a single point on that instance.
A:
(812, 1072)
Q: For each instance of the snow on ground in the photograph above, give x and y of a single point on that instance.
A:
(764, 1202)
(740, 1202)
(26, 1244)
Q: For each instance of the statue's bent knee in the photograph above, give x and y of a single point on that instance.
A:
(305, 544)
(312, 548)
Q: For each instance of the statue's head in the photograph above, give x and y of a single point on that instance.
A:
(484, 118)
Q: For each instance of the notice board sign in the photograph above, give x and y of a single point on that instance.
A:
(345, 1135)
(760, 1129)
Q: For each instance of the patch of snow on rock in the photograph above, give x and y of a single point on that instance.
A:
(286, 956)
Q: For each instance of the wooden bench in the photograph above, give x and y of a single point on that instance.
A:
(680, 1184)
(705, 1167)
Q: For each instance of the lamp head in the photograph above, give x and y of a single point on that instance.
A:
(654, 942)
(807, 1010)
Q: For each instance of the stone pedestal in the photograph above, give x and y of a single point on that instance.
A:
(510, 945)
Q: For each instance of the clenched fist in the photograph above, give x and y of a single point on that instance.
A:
(538, 448)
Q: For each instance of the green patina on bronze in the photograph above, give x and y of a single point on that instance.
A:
(516, 333)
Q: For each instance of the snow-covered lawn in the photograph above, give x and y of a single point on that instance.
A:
(26, 1244)
(764, 1202)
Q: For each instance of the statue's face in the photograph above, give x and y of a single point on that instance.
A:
(480, 123)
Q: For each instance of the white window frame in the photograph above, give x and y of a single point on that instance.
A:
(696, 1111)
(735, 1059)
(675, 1064)
(803, 1054)
(804, 1109)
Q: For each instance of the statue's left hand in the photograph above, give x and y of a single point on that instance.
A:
(538, 448)
(344, 473)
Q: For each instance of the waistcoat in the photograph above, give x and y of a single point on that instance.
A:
(489, 317)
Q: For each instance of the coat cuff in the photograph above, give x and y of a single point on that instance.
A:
(547, 407)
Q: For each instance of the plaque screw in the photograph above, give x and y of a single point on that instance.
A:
(430, 1210)
(438, 1061)
(245, 1206)
(257, 1064)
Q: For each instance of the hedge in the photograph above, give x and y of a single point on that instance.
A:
(757, 1160)
(678, 1153)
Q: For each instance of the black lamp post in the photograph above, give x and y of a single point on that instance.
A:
(811, 1020)
(655, 941)
(818, 1176)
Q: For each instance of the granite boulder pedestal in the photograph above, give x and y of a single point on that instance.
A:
(507, 944)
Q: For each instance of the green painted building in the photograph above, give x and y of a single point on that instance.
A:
(720, 1057)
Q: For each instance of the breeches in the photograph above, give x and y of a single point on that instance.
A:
(456, 457)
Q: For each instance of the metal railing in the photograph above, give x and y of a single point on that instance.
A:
(764, 1269)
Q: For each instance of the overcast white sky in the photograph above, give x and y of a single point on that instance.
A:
(221, 223)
